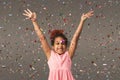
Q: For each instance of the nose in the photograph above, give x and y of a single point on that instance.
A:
(60, 45)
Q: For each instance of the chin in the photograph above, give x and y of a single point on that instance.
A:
(61, 52)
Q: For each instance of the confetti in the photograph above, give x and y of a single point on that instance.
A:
(97, 53)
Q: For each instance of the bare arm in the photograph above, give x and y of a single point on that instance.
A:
(76, 35)
(38, 30)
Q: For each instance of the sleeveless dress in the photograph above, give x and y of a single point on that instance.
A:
(60, 66)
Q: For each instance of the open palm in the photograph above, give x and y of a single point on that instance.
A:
(87, 15)
(29, 14)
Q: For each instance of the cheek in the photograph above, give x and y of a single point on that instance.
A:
(64, 47)
(54, 47)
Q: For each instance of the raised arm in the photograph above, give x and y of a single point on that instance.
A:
(76, 35)
(32, 16)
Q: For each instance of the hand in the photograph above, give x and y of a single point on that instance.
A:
(87, 15)
(30, 15)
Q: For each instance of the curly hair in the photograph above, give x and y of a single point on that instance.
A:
(57, 33)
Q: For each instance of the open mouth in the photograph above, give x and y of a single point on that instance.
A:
(60, 48)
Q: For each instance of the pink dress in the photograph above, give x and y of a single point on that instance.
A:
(60, 67)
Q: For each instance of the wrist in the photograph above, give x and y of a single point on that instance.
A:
(33, 20)
(82, 20)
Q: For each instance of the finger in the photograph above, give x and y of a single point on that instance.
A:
(27, 18)
(26, 12)
(86, 16)
(91, 12)
(29, 11)
(90, 15)
(34, 15)
(83, 14)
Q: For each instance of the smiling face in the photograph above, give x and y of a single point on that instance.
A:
(59, 45)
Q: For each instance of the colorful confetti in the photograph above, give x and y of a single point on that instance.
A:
(97, 55)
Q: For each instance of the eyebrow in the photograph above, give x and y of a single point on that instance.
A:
(62, 41)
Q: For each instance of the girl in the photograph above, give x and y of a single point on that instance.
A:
(58, 56)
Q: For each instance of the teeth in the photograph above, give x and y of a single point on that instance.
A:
(59, 49)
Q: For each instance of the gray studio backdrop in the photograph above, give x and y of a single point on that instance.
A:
(98, 53)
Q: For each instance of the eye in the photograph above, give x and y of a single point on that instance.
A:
(57, 43)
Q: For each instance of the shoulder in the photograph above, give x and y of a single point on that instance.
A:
(69, 54)
(52, 52)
